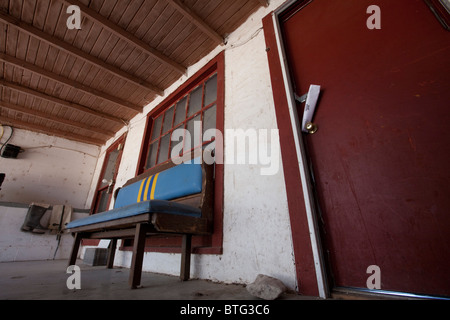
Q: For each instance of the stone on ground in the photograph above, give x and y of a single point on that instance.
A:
(266, 287)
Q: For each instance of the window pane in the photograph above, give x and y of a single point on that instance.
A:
(191, 126)
(156, 128)
(195, 101)
(209, 119)
(102, 201)
(168, 120)
(211, 90)
(164, 149)
(151, 157)
(180, 113)
(110, 168)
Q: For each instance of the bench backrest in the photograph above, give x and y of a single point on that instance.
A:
(180, 181)
(189, 183)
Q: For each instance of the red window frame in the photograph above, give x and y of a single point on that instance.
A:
(156, 137)
(201, 244)
(99, 188)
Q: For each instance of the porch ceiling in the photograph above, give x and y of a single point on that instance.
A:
(84, 85)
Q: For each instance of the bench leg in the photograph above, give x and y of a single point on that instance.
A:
(138, 256)
(185, 271)
(111, 254)
(75, 248)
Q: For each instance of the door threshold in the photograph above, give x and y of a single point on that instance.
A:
(351, 293)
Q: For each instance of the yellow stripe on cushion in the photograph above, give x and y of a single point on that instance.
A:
(147, 186)
(152, 195)
(140, 190)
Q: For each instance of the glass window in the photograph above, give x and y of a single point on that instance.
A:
(189, 112)
(156, 131)
(191, 127)
(209, 118)
(211, 90)
(180, 113)
(168, 118)
(151, 158)
(195, 101)
(164, 149)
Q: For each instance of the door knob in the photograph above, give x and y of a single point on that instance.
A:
(311, 127)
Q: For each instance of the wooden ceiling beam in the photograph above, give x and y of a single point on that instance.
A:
(265, 3)
(61, 102)
(43, 115)
(74, 51)
(49, 131)
(68, 82)
(128, 37)
(196, 20)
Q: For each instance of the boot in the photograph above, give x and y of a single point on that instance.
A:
(33, 219)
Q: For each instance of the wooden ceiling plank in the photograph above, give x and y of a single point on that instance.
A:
(15, 7)
(28, 9)
(47, 116)
(196, 20)
(224, 11)
(128, 37)
(62, 45)
(71, 105)
(136, 25)
(68, 82)
(49, 131)
(42, 8)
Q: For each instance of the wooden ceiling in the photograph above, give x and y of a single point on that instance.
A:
(85, 85)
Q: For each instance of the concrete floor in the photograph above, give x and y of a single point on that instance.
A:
(46, 280)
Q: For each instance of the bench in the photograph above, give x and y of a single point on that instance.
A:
(171, 199)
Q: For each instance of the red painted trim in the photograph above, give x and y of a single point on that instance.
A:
(304, 260)
(112, 147)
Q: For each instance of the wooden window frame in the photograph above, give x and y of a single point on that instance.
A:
(212, 244)
(111, 148)
(157, 139)
(95, 199)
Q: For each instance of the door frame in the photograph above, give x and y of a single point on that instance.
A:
(308, 251)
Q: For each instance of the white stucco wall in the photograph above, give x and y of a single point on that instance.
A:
(256, 228)
(52, 170)
(16, 245)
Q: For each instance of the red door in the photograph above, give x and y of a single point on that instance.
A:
(381, 155)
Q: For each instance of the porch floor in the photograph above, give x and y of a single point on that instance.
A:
(46, 280)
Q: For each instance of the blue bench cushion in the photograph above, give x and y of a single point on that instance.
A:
(152, 206)
(182, 180)
(151, 195)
